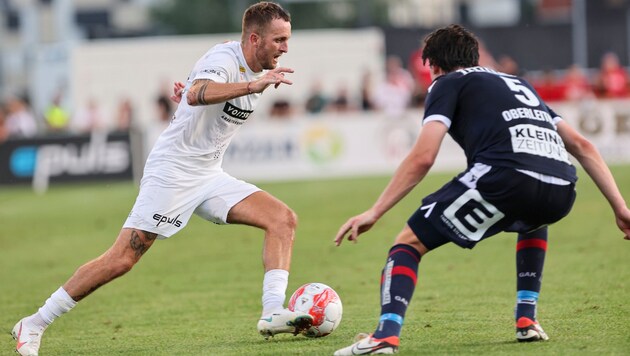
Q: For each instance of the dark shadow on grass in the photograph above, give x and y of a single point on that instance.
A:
(285, 339)
(498, 343)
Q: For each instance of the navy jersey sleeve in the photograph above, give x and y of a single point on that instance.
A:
(441, 101)
(555, 117)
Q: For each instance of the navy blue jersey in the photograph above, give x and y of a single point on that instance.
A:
(499, 120)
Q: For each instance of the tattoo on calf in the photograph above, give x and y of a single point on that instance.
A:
(88, 292)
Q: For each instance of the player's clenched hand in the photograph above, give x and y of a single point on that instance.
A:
(178, 90)
(623, 221)
(274, 76)
(356, 226)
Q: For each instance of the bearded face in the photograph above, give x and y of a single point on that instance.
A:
(274, 41)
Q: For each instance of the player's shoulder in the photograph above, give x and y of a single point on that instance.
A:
(226, 51)
(227, 47)
(478, 75)
(447, 82)
(224, 56)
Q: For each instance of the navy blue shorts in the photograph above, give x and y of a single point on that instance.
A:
(484, 201)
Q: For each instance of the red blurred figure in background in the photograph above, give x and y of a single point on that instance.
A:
(576, 84)
(613, 79)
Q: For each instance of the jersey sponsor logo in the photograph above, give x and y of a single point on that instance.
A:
(165, 219)
(538, 141)
(213, 71)
(470, 216)
(236, 112)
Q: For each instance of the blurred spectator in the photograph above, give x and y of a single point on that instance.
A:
(508, 65)
(393, 96)
(341, 101)
(20, 121)
(421, 73)
(165, 104)
(576, 84)
(88, 118)
(163, 113)
(124, 115)
(485, 57)
(612, 81)
(549, 87)
(164, 110)
(56, 117)
(4, 133)
(281, 109)
(316, 101)
(366, 91)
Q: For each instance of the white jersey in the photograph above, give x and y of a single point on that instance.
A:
(194, 143)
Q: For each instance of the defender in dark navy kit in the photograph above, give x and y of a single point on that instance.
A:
(519, 176)
(519, 179)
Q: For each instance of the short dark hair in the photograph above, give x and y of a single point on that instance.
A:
(451, 47)
(259, 15)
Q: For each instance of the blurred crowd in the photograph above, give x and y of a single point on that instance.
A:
(403, 87)
(18, 119)
(609, 81)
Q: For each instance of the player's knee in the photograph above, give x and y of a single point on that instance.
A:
(289, 219)
(284, 223)
(119, 263)
(408, 237)
(122, 265)
(292, 219)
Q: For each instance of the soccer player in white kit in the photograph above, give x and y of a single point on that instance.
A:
(183, 175)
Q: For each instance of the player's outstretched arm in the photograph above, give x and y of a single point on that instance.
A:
(410, 172)
(593, 163)
(274, 76)
(206, 91)
(356, 226)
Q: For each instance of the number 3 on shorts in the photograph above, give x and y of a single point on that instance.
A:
(472, 215)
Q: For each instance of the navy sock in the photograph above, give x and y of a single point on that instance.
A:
(398, 282)
(530, 259)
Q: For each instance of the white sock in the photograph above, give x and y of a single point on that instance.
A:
(274, 289)
(59, 303)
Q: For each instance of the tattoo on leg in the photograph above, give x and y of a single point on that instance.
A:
(138, 244)
(88, 292)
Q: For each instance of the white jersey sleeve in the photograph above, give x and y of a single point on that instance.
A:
(216, 65)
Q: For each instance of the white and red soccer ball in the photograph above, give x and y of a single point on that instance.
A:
(322, 303)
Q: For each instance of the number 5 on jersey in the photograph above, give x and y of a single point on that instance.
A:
(524, 95)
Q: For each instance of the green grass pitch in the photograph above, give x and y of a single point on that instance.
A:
(198, 293)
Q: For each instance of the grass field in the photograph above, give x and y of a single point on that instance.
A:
(198, 293)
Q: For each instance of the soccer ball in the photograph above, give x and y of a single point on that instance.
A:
(322, 303)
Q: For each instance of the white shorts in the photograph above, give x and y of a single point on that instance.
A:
(164, 208)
